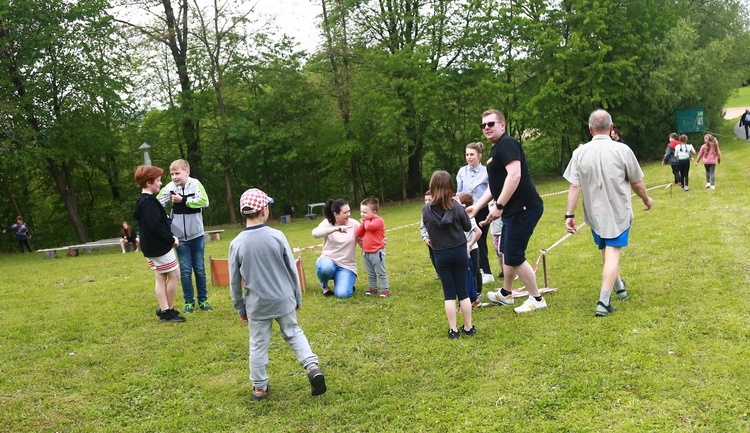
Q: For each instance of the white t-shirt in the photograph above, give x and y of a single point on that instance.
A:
(683, 151)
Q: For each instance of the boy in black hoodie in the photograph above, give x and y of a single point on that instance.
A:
(157, 241)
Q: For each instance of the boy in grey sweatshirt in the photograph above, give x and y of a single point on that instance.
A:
(264, 287)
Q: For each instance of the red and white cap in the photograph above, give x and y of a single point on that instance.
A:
(253, 200)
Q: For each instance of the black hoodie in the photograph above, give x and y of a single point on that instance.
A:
(446, 227)
(154, 226)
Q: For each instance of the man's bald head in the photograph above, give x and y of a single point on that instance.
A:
(600, 122)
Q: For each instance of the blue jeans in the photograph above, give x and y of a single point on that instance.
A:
(190, 256)
(343, 279)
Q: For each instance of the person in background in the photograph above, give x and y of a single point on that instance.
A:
(604, 171)
(472, 236)
(372, 232)
(129, 236)
(273, 294)
(711, 155)
(616, 135)
(446, 222)
(22, 233)
(670, 157)
(684, 152)
(745, 121)
(337, 261)
(188, 198)
(472, 178)
(157, 241)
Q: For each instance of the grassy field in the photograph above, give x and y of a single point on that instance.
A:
(83, 352)
(741, 99)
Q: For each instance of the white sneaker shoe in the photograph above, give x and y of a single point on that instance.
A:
(531, 304)
(708, 185)
(713, 187)
(498, 298)
(487, 278)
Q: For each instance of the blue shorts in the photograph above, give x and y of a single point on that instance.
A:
(517, 230)
(619, 241)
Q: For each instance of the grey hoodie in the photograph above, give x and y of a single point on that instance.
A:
(446, 227)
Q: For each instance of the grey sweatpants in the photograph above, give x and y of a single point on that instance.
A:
(375, 267)
(260, 338)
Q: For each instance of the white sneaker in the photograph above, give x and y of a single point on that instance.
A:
(530, 304)
(708, 185)
(487, 278)
(686, 188)
(713, 187)
(498, 298)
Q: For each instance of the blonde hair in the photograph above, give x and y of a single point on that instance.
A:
(476, 146)
(179, 163)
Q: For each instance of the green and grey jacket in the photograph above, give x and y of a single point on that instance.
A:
(187, 217)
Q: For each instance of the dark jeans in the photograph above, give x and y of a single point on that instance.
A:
(22, 242)
(484, 262)
(684, 168)
(452, 266)
(676, 173)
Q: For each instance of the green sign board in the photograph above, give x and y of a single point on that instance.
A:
(690, 120)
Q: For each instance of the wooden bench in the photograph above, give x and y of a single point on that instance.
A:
(51, 253)
(212, 235)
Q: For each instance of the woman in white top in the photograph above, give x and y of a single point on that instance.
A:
(337, 261)
(684, 152)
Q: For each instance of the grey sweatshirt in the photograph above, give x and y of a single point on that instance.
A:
(446, 227)
(261, 256)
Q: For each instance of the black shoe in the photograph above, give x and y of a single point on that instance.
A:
(171, 316)
(327, 292)
(317, 380)
(158, 312)
(471, 332)
(603, 310)
(453, 334)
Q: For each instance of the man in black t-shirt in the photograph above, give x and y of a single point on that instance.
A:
(517, 203)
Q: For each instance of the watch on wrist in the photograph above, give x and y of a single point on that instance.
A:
(569, 216)
(499, 206)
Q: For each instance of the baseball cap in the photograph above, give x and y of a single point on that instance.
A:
(253, 200)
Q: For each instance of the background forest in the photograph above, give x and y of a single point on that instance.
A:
(394, 91)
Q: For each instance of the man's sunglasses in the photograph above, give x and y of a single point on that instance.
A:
(489, 124)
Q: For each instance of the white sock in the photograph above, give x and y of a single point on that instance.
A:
(604, 296)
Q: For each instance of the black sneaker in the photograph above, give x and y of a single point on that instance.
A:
(317, 380)
(205, 306)
(171, 316)
(471, 332)
(603, 310)
(453, 334)
(158, 311)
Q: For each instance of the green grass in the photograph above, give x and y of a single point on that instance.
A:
(82, 350)
(741, 99)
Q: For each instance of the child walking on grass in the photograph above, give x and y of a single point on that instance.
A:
(711, 155)
(372, 232)
(264, 287)
(157, 241)
(446, 222)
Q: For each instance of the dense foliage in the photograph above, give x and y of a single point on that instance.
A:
(394, 92)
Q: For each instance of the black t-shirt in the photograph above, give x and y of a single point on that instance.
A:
(507, 149)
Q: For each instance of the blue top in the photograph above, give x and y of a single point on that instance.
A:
(472, 180)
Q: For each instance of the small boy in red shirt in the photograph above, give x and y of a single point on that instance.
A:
(372, 232)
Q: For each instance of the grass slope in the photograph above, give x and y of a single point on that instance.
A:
(83, 351)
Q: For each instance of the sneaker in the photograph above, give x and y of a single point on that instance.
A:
(487, 278)
(385, 293)
(327, 292)
(686, 188)
(260, 394)
(708, 185)
(189, 308)
(371, 292)
(123, 251)
(471, 332)
(498, 298)
(171, 316)
(602, 310)
(476, 304)
(205, 306)
(713, 187)
(158, 311)
(317, 380)
(620, 287)
(531, 304)
(453, 335)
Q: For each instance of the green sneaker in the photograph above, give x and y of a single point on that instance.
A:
(189, 308)
(603, 310)
(205, 306)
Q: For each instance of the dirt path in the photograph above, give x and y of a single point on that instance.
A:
(734, 113)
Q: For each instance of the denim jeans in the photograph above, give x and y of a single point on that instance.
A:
(343, 279)
(190, 256)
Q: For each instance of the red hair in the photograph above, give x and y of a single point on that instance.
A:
(147, 173)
